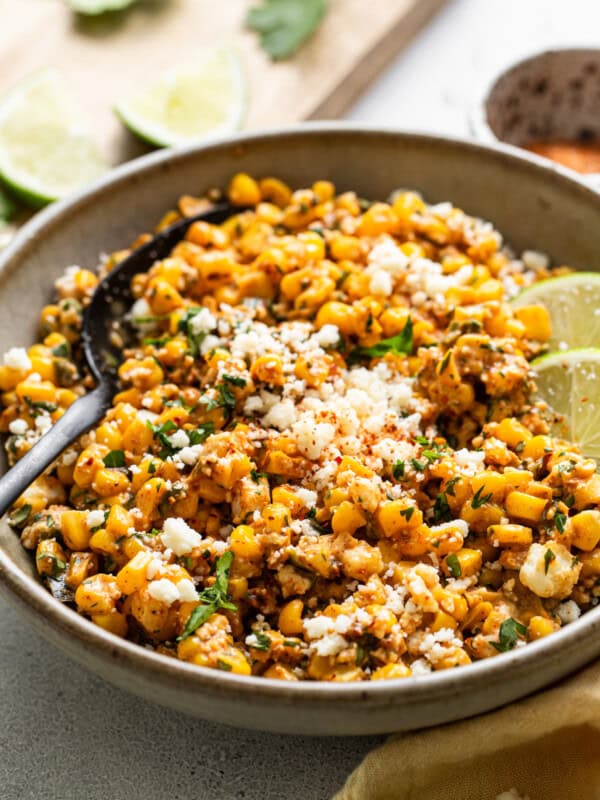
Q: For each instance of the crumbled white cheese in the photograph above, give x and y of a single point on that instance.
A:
(471, 461)
(327, 336)
(312, 437)
(18, 427)
(95, 518)
(330, 645)
(17, 358)
(281, 416)
(179, 439)
(532, 259)
(43, 423)
(554, 577)
(178, 535)
(187, 590)
(381, 283)
(202, 322)
(163, 590)
(189, 455)
(308, 498)
(568, 611)
(317, 627)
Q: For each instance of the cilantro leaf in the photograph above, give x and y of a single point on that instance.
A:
(454, 566)
(510, 630)
(398, 469)
(480, 499)
(116, 458)
(201, 433)
(234, 380)
(21, 515)
(549, 557)
(402, 344)
(441, 509)
(263, 642)
(212, 598)
(184, 326)
(560, 520)
(283, 25)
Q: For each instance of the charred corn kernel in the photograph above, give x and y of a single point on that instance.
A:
(290, 620)
(81, 566)
(109, 482)
(539, 627)
(537, 447)
(586, 529)
(131, 546)
(590, 564)
(50, 557)
(393, 321)
(512, 432)
(238, 588)
(98, 594)
(113, 622)
(143, 374)
(36, 392)
(280, 672)
(275, 191)
(276, 517)
(88, 464)
(44, 366)
(234, 661)
(462, 564)
(344, 248)
(489, 483)
(388, 671)
(536, 320)
(10, 377)
(209, 490)
(443, 620)
(243, 190)
(109, 435)
(137, 437)
(119, 521)
(74, 529)
(345, 317)
(588, 493)
(286, 496)
(396, 516)
(480, 518)
(517, 478)
(510, 535)
(315, 371)
(347, 518)
(243, 543)
(133, 576)
(268, 369)
(354, 465)
(524, 506)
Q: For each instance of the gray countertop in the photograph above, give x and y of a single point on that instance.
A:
(66, 735)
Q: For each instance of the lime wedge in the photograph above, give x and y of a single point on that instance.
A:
(45, 152)
(206, 98)
(573, 302)
(569, 382)
(94, 7)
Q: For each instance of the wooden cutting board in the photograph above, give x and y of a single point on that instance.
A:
(107, 58)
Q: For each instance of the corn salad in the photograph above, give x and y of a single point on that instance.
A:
(325, 461)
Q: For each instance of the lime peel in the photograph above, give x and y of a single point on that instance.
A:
(206, 98)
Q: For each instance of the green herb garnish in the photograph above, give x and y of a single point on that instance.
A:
(560, 520)
(549, 557)
(402, 344)
(398, 469)
(21, 515)
(454, 566)
(510, 631)
(283, 25)
(263, 642)
(115, 459)
(213, 598)
(480, 499)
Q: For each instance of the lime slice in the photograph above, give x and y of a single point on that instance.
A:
(98, 6)
(206, 98)
(569, 382)
(573, 302)
(45, 152)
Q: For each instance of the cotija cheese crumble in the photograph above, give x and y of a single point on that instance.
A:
(325, 461)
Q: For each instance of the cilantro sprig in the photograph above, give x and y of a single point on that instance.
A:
(508, 635)
(213, 598)
(402, 344)
(283, 25)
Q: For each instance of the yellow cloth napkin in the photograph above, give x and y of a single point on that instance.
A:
(545, 748)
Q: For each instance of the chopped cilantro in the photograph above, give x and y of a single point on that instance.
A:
(256, 476)
(398, 469)
(450, 486)
(549, 557)
(454, 566)
(115, 459)
(560, 520)
(21, 515)
(402, 344)
(419, 466)
(62, 350)
(441, 509)
(480, 499)
(263, 642)
(194, 339)
(407, 513)
(212, 598)
(201, 433)
(161, 433)
(234, 380)
(510, 630)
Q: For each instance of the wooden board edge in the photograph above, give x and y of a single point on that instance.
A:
(341, 97)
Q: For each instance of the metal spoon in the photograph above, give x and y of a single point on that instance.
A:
(101, 355)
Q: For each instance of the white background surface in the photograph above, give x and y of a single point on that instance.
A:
(65, 735)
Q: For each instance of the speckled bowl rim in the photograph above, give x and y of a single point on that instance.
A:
(23, 590)
(477, 113)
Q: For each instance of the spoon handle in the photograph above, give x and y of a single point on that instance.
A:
(74, 422)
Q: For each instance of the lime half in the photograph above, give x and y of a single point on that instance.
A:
(573, 302)
(45, 150)
(569, 382)
(202, 99)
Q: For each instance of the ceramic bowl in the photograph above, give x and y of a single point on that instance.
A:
(535, 205)
(552, 95)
